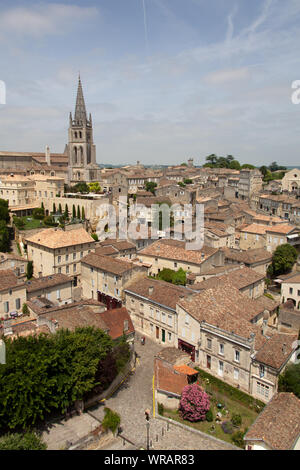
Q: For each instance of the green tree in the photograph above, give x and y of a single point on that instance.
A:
(289, 381)
(264, 170)
(4, 211)
(60, 208)
(94, 187)
(66, 213)
(29, 270)
(95, 237)
(150, 186)
(38, 213)
(4, 237)
(54, 208)
(247, 165)
(82, 213)
(284, 258)
(48, 373)
(73, 212)
(25, 310)
(235, 165)
(187, 181)
(212, 159)
(78, 212)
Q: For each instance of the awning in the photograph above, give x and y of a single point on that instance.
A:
(295, 235)
(184, 369)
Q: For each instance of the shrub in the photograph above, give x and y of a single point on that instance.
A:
(227, 427)
(161, 409)
(49, 220)
(236, 420)
(238, 438)
(209, 416)
(111, 420)
(38, 213)
(25, 309)
(194, 403)
(22, 441)
(95, 237)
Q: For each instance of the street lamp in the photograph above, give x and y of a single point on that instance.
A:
(147, 416)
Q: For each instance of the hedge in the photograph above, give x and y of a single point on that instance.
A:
(234, 393)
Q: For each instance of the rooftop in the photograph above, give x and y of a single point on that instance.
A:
(278, 425)
(57, 238)
(106, 263)
(46, 281)
(175, 250)
(159, 292)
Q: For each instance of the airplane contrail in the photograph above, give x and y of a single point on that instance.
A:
(145, 27)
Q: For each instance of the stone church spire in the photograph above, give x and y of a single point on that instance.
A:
(80, 110)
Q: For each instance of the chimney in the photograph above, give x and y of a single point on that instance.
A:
(150, 290)
(47, 155)
(284, 349)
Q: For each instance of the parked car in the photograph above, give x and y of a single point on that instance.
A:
(14, 314)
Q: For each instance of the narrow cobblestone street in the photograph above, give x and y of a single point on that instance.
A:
(131, 400)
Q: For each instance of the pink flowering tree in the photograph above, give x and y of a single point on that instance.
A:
(194, 403)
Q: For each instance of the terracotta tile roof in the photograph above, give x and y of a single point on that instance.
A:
(239, 278)
(57, 238)
(118, 244)
(159, 292)
(106, 263)
(106, 251)
(184, 369)
(12, 257)
(76, 316)
(252, 256)
(26, 328)
(278, 425)
(149, 201)
(292, 279)
(173, 355)
(47, 281)
(258, 229)
(175, 250)
(8, 280)
(276, 350)
(226, 308)
(281, 228)
(115, 321)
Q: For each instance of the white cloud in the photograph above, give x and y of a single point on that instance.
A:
(229, 75)
(44, 19)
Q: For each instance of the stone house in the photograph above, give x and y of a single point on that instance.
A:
(105, 278)
(12, 293)
(291, 181)
(55, 251)
(168, 253)
(258, 259)
(152, 306)
(290, 289)
(14, 262)
(58, 288)
(220, 329)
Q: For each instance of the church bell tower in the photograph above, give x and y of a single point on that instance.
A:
(81, 148)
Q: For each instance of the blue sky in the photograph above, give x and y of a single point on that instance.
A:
(185, 78)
